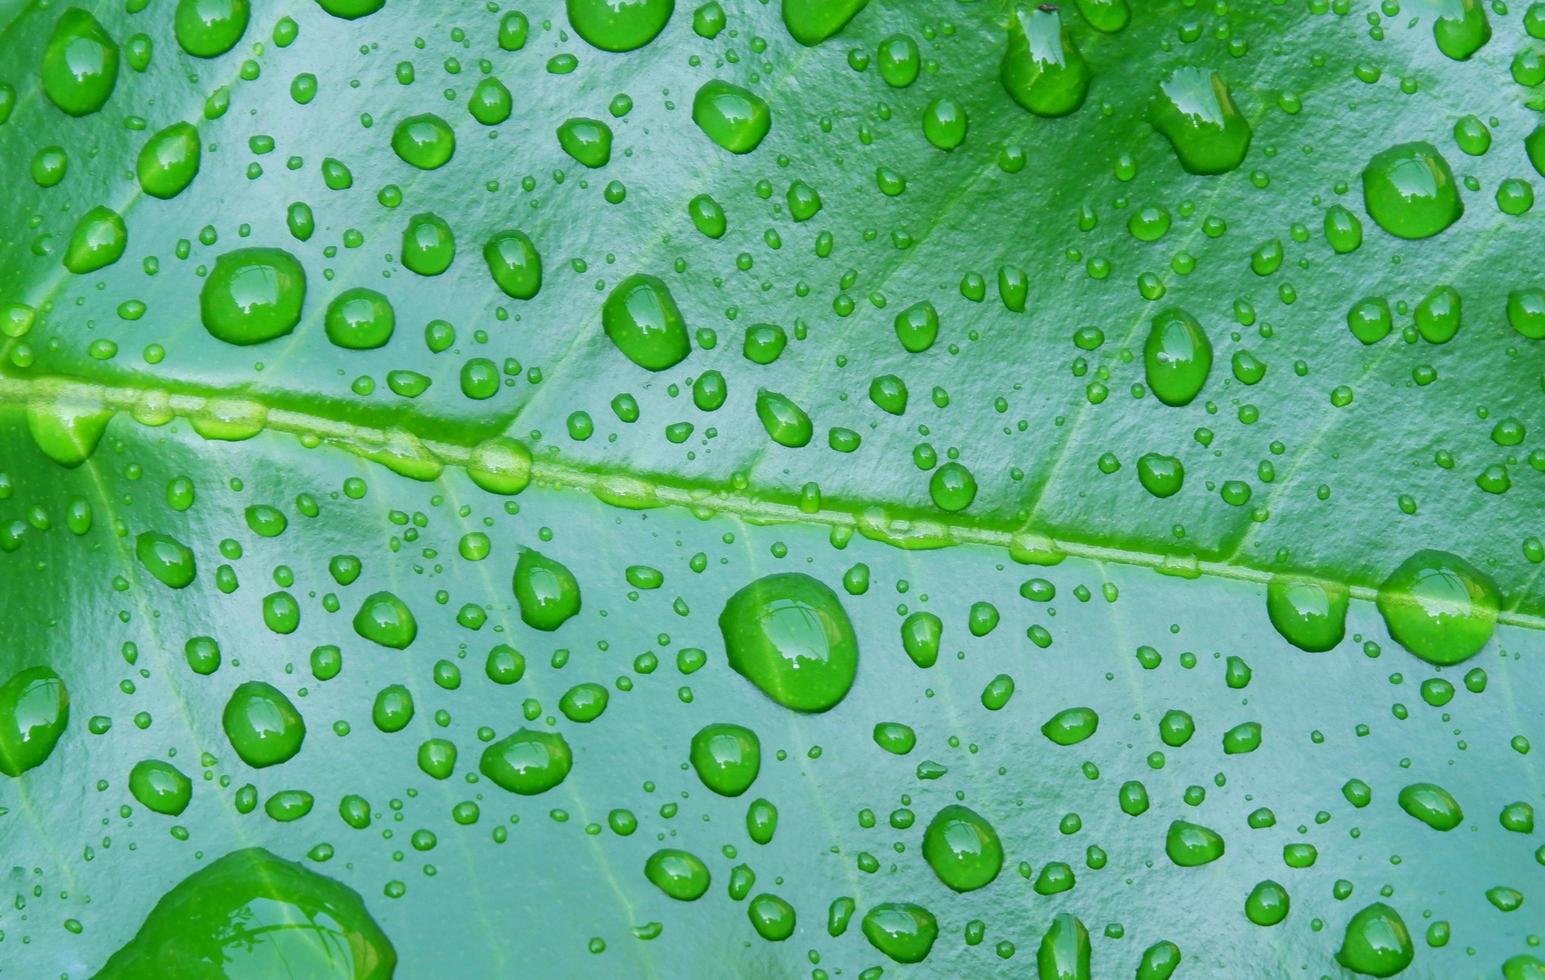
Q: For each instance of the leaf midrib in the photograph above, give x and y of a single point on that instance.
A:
(620, 486)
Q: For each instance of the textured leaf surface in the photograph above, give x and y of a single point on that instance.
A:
(125, 414)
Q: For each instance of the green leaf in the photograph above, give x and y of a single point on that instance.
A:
(770, 488)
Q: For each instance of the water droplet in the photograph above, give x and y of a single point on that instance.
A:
(514, 263)
(1064, 951)
(1190, 845)
(168, 559)
(1195, 113)
(80, 63)
(588, 141)
(642, 319)
(1432, 805)
(812, 21)
(952, 487)
(962, 848)
(428, 246)
(252, 914)
(1310, 613)
(98, 241)
(901, 930)
(1409, 191)
(209, 28)
(619, 25)
(169, 161)
(1042, 69)
(945, 123)
(789, 635)
(385, 619)
(1071, 725)
(1107, 16)
(160, 787)
(546, 591)
(527, 762)
(500, 465)
(360, 319)
(424, 141)
(679, 874)
(1376, 942)
(1177, 357)
(263, 726)
(351, 9)
(1160, 475)
(253, 295)
(1461, 28)
(785, 422)
(34, 712)
(727, 758)
(1438, 315)
(1267, 904)
(731, 116)
(1439, 606)
(771, 917)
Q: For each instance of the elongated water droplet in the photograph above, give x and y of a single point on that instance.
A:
(168, 559)
(160, 787)
(680, 874)
(80, 63)
(527, 762)
(1064, 951)
(1177, 357)
(1432, 805)
(34, 712)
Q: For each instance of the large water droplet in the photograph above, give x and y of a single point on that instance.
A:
(1042, 70)
(253, 295)
(514, 263)
(428, 245)
(385, 619)
(1190, 845)
(1195, 113)
(252, 914)
(1461, 28)
(789, 635)
(546, 590)
(1310, 613)
(1064, 951)
(262, 724)
(812, 21)
(962, 848)
(34, 712)
(360, 319)
(1432, 805)
(209, 28)
(424, 141)
(80, 63)
(680, 874)
(901, 930)
(1439, 606)
(527, 762)
(160, 787)
(641, 318)
(619, 25)
(1409, 191)
(733, 117)
(1376, 942)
